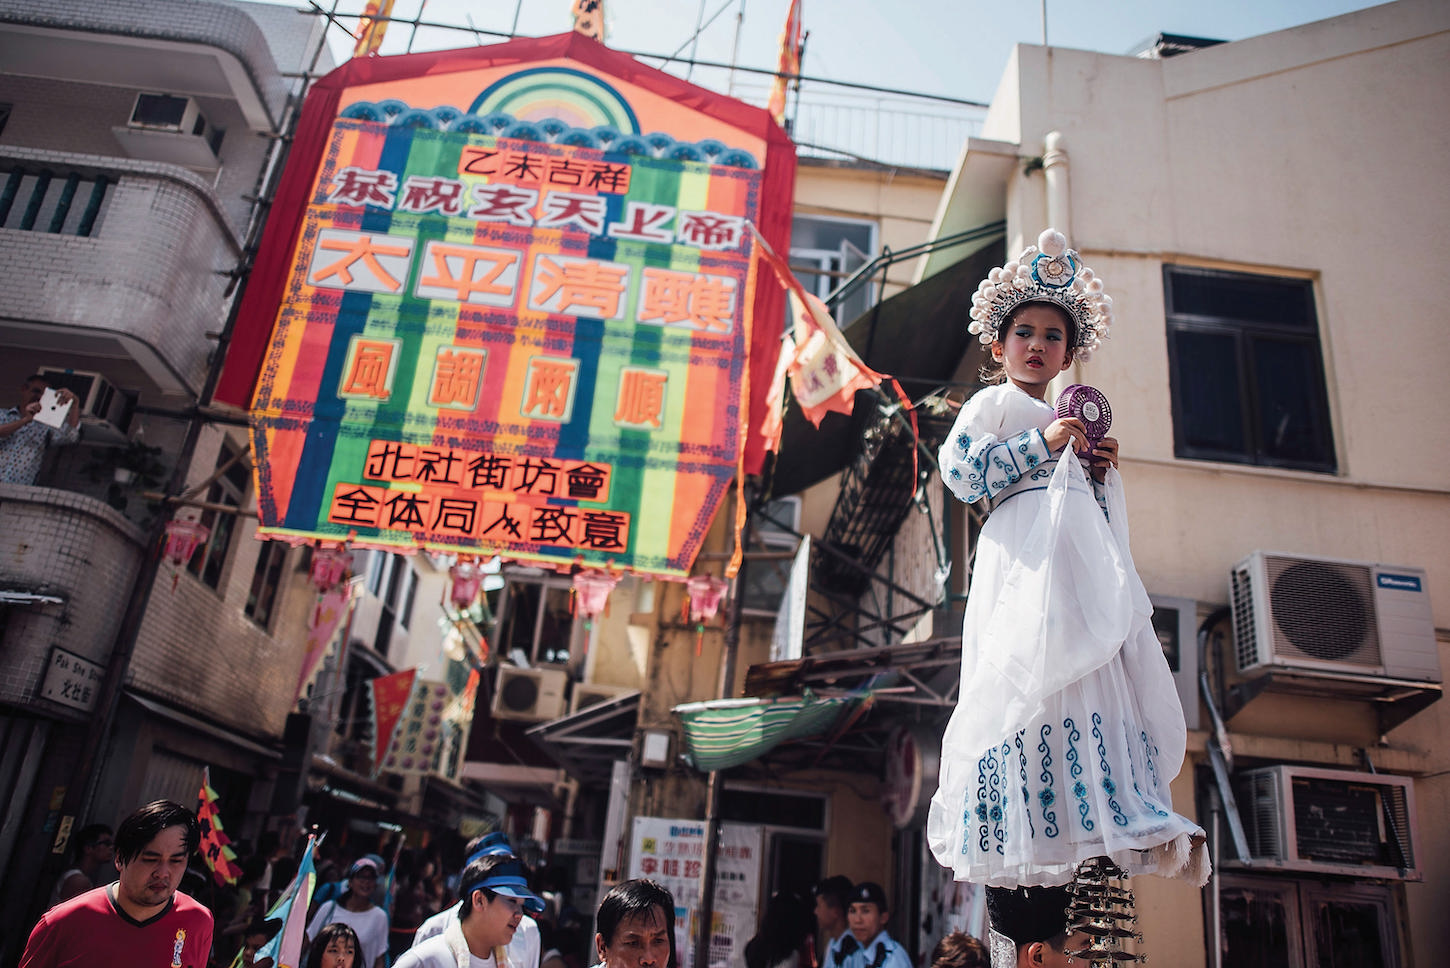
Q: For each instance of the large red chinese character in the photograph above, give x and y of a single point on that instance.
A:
(641, 399)
(584, 287)
(563, 209)
(549, 388)
(706, 302)
(457, 374)
(504, 203)
(710, 230)
(362, 186)
(644, 221)
(430, 194)
(368, 370)
(496, 271)
(361, 248)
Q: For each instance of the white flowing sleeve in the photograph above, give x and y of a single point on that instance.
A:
(980, 458)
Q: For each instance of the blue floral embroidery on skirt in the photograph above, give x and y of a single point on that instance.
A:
(1046, 795)
(1109, 787)
(1079, 789)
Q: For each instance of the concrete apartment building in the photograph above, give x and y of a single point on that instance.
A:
(134, 139)
(1262, 213)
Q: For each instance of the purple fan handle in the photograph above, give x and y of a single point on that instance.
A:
(1088, 405)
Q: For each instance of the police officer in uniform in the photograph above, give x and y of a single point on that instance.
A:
(867, 917)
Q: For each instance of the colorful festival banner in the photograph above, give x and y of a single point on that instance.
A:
(390, 696)
(516, 313)
(418, 740)
(215, 845)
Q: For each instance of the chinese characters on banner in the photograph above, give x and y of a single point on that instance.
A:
(672, 852)
(503, 332)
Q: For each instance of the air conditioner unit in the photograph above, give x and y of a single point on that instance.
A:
(588, 694)
(529, 695)
(167, 112)
(100, 401)
(1328, 615)
(1329, 821)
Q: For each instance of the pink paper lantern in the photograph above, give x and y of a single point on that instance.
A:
(329, 567)
(591, 591)
(183, 537)
(705, 592)
(467, 580)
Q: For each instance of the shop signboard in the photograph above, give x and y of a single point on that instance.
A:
(672, 852)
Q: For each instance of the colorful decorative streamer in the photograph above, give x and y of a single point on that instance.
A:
(215, 846)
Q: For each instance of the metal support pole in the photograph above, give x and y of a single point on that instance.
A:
(712, 795)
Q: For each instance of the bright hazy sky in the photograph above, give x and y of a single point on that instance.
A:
(957, 48)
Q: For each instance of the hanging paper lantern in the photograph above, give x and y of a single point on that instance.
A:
(329, 567)
(705, 592)
(467, 579)
(183, 537)
(591, 592)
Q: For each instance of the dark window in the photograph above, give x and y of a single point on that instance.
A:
(1292, 923)
(228, 490)
(266, 582)
(1246, 370)
(537, 619)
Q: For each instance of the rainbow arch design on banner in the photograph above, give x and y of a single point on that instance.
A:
(580, 100)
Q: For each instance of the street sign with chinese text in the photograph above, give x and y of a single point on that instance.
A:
(71, 680)
(517, 313)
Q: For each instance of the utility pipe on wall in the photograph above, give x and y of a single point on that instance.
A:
(1059, 195)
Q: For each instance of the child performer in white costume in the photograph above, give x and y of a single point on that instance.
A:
(1068, 728)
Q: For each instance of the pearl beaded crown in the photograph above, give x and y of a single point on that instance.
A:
(1046, 272)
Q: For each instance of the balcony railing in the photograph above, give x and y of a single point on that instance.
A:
(63, 202)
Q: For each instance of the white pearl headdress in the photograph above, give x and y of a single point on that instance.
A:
(1046, 272)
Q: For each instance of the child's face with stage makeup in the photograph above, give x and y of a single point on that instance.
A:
(1034, 346)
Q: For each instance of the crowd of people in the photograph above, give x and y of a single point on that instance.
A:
(142, 890)
(133, 892)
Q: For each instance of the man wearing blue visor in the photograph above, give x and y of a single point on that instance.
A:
(493, 896)
(523, 950)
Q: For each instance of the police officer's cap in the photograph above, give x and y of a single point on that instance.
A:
(868, 892)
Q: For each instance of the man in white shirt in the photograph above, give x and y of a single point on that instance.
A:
(492, 896)
(523, 951)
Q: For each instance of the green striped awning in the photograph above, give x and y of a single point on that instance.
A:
(723, 733)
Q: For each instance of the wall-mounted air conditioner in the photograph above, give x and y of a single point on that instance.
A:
(529, 695)
(588, 694)
(101, 403)
(167, 112)
(1329, 821)
(172, 129)
(1327, 615)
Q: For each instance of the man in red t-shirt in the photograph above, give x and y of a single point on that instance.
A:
(141, 920)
